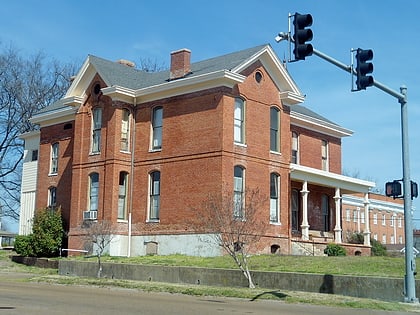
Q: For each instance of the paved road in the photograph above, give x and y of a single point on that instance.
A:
(23, 298)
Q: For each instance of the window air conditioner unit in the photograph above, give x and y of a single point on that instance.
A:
(90, 215)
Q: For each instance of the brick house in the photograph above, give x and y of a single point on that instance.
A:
(142, 149)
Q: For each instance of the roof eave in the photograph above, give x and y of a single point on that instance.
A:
(175, 87)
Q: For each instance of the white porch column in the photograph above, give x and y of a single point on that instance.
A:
(366, 232)
(305, 225)
(337, 228)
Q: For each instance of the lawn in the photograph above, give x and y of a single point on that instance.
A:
(348, 265)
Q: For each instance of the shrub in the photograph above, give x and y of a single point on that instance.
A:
(46, 238)
(23, 245)
(378, 249)
(355, 238)
(335, 250)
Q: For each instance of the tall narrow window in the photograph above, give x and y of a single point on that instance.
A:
(154, 206)
(52, 198)
(295, 210)
(125, 130)
(325, 206)
(295, 148)
(54, 158)
(238, 192)
(96, 130)
(93, 192)
(274, 129)
(274, 198)
(157, 123)
(239, 121)
(122, 196)
(375, 218)
(324, 155)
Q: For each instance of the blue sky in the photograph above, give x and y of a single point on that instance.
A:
(135, 30)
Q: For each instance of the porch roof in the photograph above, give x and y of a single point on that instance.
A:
(327, 179)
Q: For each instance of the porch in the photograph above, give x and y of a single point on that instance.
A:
(316, 211)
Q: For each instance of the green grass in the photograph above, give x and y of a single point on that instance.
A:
(349, 265)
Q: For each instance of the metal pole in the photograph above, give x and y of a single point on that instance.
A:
(410, 263)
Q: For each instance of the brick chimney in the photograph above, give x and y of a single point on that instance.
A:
(180, 63)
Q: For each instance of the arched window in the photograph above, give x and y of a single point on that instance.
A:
(93, 192)
(239, 121)
(274, 129)
(96, 130)
(324, 153)
(52, 198)
(274, 198)
(157, 124)
(154, 197)
(238, 192)
(54, 158)
(295, 148)
(125, 130)
(122, 196)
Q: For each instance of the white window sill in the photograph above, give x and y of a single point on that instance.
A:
(52, 174)
(275, 223)
(153, 221)
(275, 152)
(155, 150)
(240, 144)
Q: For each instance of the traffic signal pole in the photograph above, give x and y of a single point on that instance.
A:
(410, 263)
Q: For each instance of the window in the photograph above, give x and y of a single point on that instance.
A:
(96, 130)
(392, 223)
(383, 238)
(274, 198)
(122, 196)
(399, 222)
(295, 148)
(362, 217)
(93, 192)
(324, 155)
(34, 156)
(325, 206)
(239, 121)
(392, 239)
(375, 237)
(157, 122)
(355, 216)
(383, 219)
(348, 215)
(238, 192)
(52, 198)
(54, 158)
(375, 218)
(274, 129)
(400, 239)
(125, 130)
(154, 203)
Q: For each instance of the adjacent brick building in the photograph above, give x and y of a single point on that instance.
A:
(142, 149)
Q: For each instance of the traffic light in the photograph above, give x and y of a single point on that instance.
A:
(393, 189)
(302, 35)
(363, 68)
(414, 190)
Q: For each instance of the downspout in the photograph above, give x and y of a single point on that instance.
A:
(130, 206)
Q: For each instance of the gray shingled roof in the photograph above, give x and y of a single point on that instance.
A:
(307, 112)
(117, 74)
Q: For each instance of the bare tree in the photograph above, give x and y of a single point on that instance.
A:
(27, 84)
(234, 223)
(98, 236)
(149, 65)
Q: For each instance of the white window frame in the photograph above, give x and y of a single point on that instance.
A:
(125, 130)
(55, 147)
(295, 147)
(325, 155)
(122, 196)
(239, 121)
(157, 128)
(93, 197)
(96, 130)
(274, 129)
(274, 198)
(348, 215)
(154, 196)
(383, 219)
(375, 218)
(52, 197)
(238, 192)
